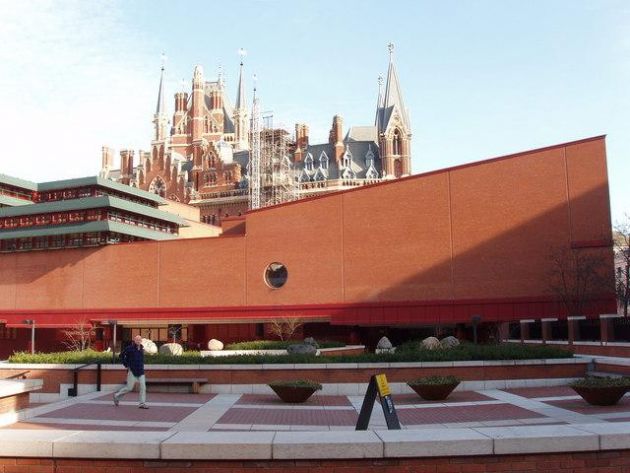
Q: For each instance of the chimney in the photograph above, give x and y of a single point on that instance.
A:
(126, 165)
(301, 140)
(336, 137)
(107, 159)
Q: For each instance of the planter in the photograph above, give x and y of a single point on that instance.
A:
(434, 388)
(601, 395)
(295, 392)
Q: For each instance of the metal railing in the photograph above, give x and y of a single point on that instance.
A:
(74, 391)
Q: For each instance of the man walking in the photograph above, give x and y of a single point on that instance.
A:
(132, 358)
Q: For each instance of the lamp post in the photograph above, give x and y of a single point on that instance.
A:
(32, 324)
(113, 325)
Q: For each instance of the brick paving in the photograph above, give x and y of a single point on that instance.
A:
(550, 391)
(457, 396)
(162, 397)
(289, 417)
(122, 413)
(178, 411)
(273, 400)
(578, 405)
(454, 414)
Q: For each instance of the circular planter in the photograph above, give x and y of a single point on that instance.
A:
(293, 394)
(434, 392)
(601, 395)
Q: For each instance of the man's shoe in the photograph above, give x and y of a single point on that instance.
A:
(116, 401)
(143, 406)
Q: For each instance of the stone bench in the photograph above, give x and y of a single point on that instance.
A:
(194, 383)
(14, 394)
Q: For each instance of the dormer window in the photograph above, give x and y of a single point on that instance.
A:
(323, 161)
(347, 160)
(308, 163)
(369, 157)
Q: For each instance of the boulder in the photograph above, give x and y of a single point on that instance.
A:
(215, 345)
(449, 342)
(301, 349)
(384, 344)
(172, 349)
(150, 348)
(311, 341)
(431, 343)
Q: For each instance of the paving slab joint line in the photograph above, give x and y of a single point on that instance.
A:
(547, 410)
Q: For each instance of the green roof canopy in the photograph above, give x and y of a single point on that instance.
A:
(81, 182)
(13, 201)
(105, 201)
(90, 227)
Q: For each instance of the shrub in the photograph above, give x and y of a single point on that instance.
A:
(433, 380)
(298, 383)
(275, 345)
(463, 352)
(604, 382)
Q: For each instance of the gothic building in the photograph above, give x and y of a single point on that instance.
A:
(203, 158)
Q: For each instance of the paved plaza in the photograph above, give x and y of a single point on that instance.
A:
(265, 412)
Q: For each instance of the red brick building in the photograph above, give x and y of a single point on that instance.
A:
(203, 157)
(464, 241)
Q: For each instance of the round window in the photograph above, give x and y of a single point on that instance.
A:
(276, 275)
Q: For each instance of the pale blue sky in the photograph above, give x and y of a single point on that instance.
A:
(480, 78)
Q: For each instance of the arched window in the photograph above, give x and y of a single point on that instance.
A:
(396, 148)
(398, 170)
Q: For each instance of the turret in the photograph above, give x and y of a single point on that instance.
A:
(197, 114)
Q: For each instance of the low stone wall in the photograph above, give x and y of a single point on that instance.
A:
(14, 394)
(615, 349)
(337, 378)
(576, 448)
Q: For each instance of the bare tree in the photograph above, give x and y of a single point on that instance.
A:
(78, 337)
(285, 327)
(578, 277)
(621, 239)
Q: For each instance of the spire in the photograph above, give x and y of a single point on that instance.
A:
(393, 96)
(240, 109)
(159, 109)
(159, 119)
(240, 94)
(379, 102)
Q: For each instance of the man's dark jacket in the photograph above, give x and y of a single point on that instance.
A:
(132, 357)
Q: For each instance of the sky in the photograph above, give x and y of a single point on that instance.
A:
(480, 78)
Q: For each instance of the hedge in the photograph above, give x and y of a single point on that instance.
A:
(406, 353)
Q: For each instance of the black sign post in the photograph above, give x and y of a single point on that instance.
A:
(378, 385)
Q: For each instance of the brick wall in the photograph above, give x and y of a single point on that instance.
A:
(53, 377)
(376, 245)
(588, 462)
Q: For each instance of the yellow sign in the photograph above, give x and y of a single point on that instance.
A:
(381, 384)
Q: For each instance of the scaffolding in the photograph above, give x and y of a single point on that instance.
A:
(255, 157)
(278, 176)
